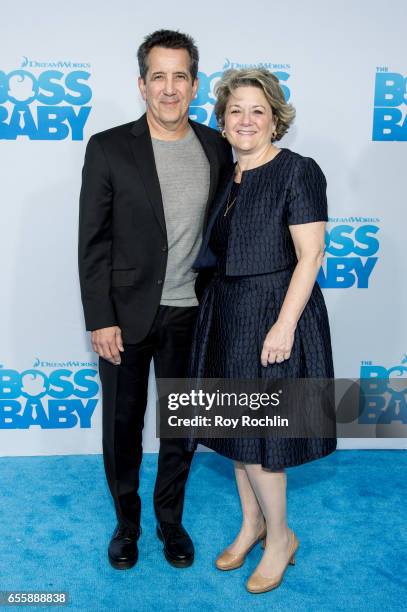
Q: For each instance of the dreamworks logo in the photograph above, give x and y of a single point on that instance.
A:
(267, 65)
(202, 107)
(30, 63)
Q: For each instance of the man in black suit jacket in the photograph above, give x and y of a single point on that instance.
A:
(146, 191)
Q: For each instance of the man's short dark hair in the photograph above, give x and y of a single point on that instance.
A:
(168, 39)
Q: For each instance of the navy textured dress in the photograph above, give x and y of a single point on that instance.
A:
(237, 310)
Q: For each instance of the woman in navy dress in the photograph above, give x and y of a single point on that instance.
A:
(263, 314)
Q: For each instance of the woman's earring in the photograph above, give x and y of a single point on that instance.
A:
(223, 132)
(274, 134)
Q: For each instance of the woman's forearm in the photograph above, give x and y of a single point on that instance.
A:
(300, 288)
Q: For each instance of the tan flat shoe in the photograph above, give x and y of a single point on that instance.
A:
(258, 583)
(230, 561)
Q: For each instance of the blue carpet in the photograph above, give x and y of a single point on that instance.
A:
(348, 510)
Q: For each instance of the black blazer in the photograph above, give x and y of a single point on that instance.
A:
(122, 234)
(288, 190)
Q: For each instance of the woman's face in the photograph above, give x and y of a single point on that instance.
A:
(249, 121)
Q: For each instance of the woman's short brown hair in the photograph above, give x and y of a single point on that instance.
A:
(264, 80)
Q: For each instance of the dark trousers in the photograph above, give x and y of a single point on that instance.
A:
(124, 389)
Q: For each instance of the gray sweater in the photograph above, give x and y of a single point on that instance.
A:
(183, 172)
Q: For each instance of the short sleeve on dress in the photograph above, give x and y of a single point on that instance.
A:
(307, 200)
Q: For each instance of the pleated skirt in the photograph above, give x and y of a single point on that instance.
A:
(234, 318)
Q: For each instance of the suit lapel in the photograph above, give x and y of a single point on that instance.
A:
(211, 153)
(205, 256)
(143, 154)
(218, 206)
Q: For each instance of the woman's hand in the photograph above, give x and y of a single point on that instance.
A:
(277, 344)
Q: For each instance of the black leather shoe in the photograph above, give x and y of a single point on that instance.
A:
(178, 547)
(123, 549)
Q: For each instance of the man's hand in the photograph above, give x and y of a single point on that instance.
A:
(108, 343)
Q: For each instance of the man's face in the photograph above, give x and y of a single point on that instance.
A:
(168, 89)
